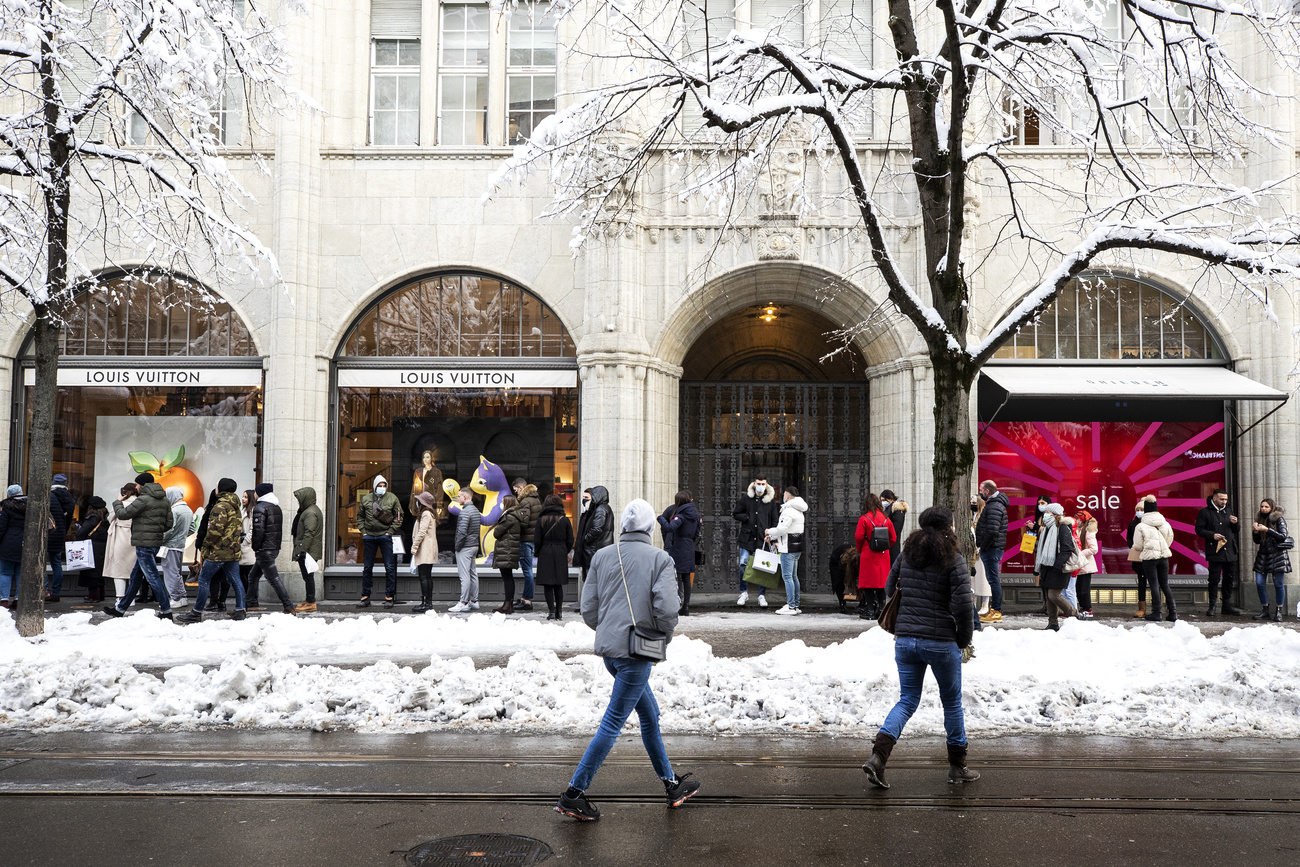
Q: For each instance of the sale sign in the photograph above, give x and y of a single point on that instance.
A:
(1105, 468)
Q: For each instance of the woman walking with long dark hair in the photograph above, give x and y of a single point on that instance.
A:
(680, 524)
(1271, 559)
(553, 540)
(936, 619)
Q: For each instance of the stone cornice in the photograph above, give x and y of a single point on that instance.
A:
(416, 154)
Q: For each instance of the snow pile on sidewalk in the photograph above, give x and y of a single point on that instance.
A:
(1089, 678)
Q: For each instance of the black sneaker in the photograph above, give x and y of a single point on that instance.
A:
(577, 807)
(111, 611)
(680, 789)
(190, 617)
(238, 614)
(165, 615)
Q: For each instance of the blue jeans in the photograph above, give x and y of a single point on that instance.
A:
(631, 692)
(211, 569)
(383, 544)
(9, 578)
(1069, 595)
(55, 585)
(146, 567)
(913, 656)
(1279, 587)
(526, 566)
(992, 561)
(790, 575)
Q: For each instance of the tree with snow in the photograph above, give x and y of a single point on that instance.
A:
(1153, 98)
(114, 115)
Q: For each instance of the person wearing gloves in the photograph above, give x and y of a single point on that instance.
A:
(223, 528)
(1054, 549)
(936, 621)
(62, 508)
(1272, 559)
(268, 539)
(308, 532)
(1151, 539)
(377, 514)
(788, 535)
(1220, 530)
(631, 583)
(424, 547)
(174, 543)
(151, 519)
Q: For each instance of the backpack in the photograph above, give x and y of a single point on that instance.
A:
(878, 541)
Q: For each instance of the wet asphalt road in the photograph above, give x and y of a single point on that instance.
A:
(276, 798)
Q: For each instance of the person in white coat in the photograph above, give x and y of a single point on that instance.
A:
(119, 553)
(1151, 539)
(788, 536)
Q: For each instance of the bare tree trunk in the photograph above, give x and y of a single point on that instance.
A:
(954, 452)
(40, 469)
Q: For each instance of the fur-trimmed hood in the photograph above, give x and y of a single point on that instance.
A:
(897, 506)
(768, 495)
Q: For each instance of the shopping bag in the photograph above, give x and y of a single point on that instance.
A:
(79, 556)
(761, 579)
(310, 562)
(1028, 542)
(399, 548)
(766, 561)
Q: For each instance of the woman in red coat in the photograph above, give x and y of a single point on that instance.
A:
(873, 564)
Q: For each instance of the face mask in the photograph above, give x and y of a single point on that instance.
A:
(758, 489)
(984, 496)
(381, 489)
(1041, 507)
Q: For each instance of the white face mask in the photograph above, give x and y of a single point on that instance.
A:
(758, 489)
(381, 489)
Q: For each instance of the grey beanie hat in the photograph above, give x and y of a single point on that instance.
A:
(638, 517)
(14, 491)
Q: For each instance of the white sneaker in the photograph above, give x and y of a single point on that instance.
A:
(458, 608)
(796, 611)
(473, 606)
(744, 597)
(762, 600)
(786, 609)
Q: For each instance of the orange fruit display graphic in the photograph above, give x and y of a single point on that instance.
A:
(168, 473)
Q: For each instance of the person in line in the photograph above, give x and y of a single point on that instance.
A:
(94, 529)
(220, 549)
(680, 525)
(553, 540)
(1089, 547)
(1270, 534)
(936, 621)
(151, 518)
(377, 514)
(1135, 560)
(788, 535)
(308, 533)
(991, 540)
(268, 539)
(1035, 526)
(216, 591)
(842, 563)
(631, 584)
(896, 509)
(62, 509)
(247, 556)
(1220, 531)
(1055, 545)
(1151, 539)
(873, 538)
(531, 503)
(174, 543)
(119, 555)
(755, 511)
(509, 533)
(13, 514)
(469, 523)
(424, 547)
(595, 527)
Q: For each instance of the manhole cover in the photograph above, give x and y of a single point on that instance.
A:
(479, 849)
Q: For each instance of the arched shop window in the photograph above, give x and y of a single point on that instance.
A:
(440, 372)
(1121, 318)
(156, 373)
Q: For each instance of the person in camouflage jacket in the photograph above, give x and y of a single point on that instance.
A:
(221, 550)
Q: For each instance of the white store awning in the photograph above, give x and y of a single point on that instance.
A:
(1128, 383)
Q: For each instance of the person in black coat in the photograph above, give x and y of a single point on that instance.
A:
(1270, 535)
(1052, 552)
(755, 511)
(62, 510)
(840, 563)
(13, 514)
(268, 539)
(94, 528)
(936, 620)
(595, 528)
(553, 540)
(1218, 528)
(680, 525)
(896, 511)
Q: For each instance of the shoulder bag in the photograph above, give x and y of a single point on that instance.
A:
(888, 618)
(645, 643)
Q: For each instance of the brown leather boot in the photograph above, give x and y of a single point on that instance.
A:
(507, 607)
(957, 770)
(1142, 609)
(875, 766)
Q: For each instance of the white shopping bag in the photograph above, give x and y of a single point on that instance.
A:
(310, 562)
(399, 548)
(767, 561)
(79, 556)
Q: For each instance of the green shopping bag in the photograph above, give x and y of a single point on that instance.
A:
(770, 580)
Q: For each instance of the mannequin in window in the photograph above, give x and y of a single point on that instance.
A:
(428, 478)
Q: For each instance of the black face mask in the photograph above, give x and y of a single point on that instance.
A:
(984, 496)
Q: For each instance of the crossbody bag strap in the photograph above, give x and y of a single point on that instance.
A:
(623, 572)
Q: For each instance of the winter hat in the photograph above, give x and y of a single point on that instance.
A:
(144, 479)
(97, 503)
(264, 488)
(227, 486)
(1055, 508)
(14, 491)
(1150, 505)
(60, 479)
(426, 499)
(638, 517)
(379, 480)
(175, 495)
(1083, 516)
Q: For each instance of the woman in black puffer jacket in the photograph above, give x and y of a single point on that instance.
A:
(936, 618)
(1271, 559)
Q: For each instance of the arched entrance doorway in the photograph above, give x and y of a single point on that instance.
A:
(768, 390)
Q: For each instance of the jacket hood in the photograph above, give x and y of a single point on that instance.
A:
(175, 495)
(599, 495)
(153, 489)
(559, 510)
(1064, 521)
(898, 506)
(529, 491)
(269, 498)
(18, 504)
(769, 493)
(305, 497)
(379, 480)
(1154, 519)
(998, 495)
(231, 499)
(796, 503)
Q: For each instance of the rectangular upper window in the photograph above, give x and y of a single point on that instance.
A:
(463, 55)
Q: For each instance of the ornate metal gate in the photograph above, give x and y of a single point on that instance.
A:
(813, 435)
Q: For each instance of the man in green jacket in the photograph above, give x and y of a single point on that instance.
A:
(151, 519)
(221, 552)
(378, 514)
(308, 541)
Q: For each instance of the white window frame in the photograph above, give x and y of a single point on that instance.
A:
(403, 73)
(493, 131)
(532, 72)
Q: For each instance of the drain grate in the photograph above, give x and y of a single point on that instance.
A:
(508, 849)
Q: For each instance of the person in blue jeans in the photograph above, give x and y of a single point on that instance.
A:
(13, 514)
(151, 520)
(991, 540)
(934, 628)
(788, 536)
(1271, 535)
(629, 584)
